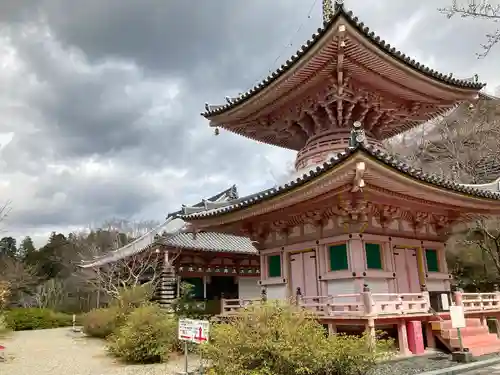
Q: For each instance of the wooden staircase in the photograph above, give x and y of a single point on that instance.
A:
(475, 337)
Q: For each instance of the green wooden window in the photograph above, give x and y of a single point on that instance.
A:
(338, 257)
(431, 258)
(373, 256)
(274, 262)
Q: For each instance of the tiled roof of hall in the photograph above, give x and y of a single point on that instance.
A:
(488, 191)
(210, 242)
(340, 11)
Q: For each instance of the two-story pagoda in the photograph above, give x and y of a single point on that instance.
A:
(357, 236)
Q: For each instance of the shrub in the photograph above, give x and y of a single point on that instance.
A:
(131, 297)
(22, 319)
(149, 335)
(4, 328)
(280, 339)
(4, 294)
(101, 323)
(351, 355)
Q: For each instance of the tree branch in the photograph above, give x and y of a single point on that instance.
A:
(478, 9)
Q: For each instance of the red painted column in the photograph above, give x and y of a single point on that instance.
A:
(415, 337)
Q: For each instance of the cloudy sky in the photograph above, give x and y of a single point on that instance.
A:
(100, 99)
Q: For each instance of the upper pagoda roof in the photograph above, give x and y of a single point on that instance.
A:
(307, 50)
(485, 191)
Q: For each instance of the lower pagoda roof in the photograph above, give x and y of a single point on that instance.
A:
(490, 192)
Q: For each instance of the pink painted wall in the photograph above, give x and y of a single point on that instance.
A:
(310, 273)
(313, 275)
(303, 273)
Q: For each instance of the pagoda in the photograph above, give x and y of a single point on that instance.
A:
(356, 236)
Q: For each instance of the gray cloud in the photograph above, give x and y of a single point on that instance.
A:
(101, 100)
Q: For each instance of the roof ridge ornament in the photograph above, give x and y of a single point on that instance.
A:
(328, 10)
(357, 136)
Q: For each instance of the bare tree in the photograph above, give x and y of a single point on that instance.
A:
(4, 210)
(51, 294)
(19, 277)
(478, 9)
(485, 236)
(132, 271)
(463, 146)
(4, 294)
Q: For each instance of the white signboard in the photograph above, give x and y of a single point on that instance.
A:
(196, 331)
(445, 302)
(457, 316)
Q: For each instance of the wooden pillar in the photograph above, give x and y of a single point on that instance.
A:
(369, 307)
(403, 338)
(429, 335)
(370, 331)
(497, 325)
(204, 287)
(357, 259)
(422, 280)
(457, 297)
(332, 329)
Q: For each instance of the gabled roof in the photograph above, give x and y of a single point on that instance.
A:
(172, 227)
(382, 45)
(205, 204)
(389, 160)
(211, 242)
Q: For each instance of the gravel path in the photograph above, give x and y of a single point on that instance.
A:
(63, 352)
(417, 365)
(490, 370)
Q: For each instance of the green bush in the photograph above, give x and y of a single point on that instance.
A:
(148, 335)
(131, 297)
(4, 328)
(101, 323)
(280, 339)
(23, 319)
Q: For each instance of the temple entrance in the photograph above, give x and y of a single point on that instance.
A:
(303, 273)
(406, 267)
(222, 287)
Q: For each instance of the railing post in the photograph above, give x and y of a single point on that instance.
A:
(457, 297)
(298, 296)
(368, 302)
(263, 295)
(222, 303)
(369, 305)
(497, 295)
(425, 295)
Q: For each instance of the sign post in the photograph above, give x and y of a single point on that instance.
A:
(458, 321)
(195, 331)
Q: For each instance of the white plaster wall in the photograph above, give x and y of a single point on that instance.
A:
(378, 285)
(437, 285)
(276, 291)
(248, 287)
(336, 287)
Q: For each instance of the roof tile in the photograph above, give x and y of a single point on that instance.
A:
(212, 110)
(378, 154)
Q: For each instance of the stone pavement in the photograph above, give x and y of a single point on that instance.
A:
(490, 370)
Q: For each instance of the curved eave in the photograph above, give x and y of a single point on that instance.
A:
(392, 163)
(307, 51)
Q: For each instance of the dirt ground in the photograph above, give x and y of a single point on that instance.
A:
(62, 352)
